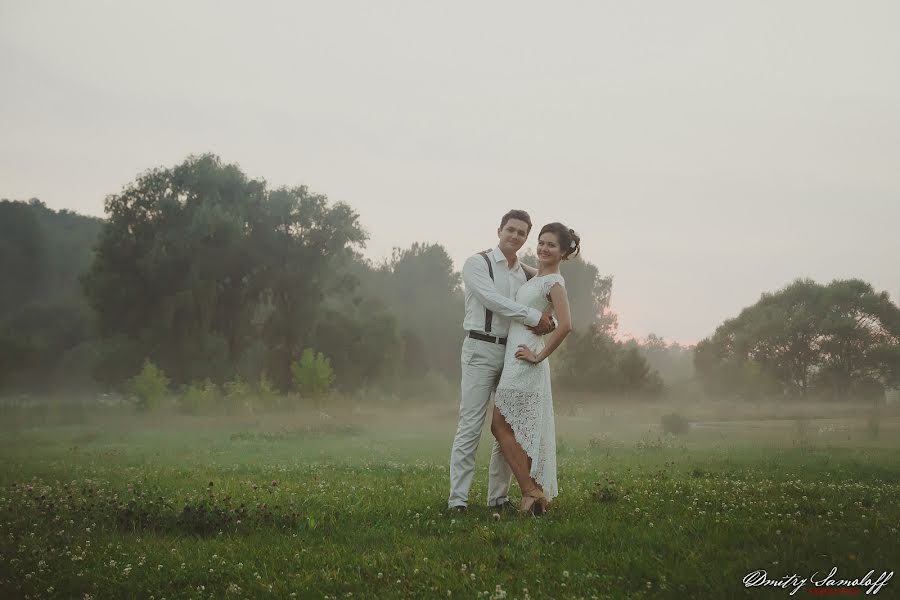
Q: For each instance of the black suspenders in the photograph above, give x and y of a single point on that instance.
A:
(488, 315)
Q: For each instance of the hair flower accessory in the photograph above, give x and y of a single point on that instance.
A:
(572, 245)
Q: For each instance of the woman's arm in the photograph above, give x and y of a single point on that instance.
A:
(529, 269)
(560, 300)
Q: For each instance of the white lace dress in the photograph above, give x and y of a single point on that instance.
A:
(523, 394)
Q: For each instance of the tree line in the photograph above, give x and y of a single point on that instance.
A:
(213, 276)
(829, 341)
(219, 282)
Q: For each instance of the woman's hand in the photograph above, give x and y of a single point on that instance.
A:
(525, 353)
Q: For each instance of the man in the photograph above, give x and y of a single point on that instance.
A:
(491, 279)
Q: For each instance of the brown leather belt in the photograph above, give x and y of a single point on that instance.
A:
(487, 338)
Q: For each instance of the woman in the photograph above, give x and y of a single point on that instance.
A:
(523, 405)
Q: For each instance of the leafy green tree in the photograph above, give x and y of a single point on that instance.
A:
(860, 339)
(424, 293)
(673, 361)
(39, 335)
(149, 387)
(45, 322)
(588, 361)
(22, 256)
(174, 267)
(312, 375)
(69, 241)
(589, 294)
(633, 368)
(635, 374)
(303, 239)
(360, 338)
(838, 340)
(199, 398)
(198, 262)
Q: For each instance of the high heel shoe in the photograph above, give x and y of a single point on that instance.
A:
(534, 503)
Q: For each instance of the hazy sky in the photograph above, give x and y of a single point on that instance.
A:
(705, 151)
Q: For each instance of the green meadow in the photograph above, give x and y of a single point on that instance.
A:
(352, 505)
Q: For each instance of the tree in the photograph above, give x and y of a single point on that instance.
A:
(45, 321)
(303, 238)
(361, 338)
(149, 387)
(673, 362)
(22, 256)
(175, 267)
(806, 338)
(633, 369)
(588, 361)
(312, 375)
(424, 293)
(860, 338)
(197, 262)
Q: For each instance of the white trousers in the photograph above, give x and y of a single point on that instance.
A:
(482, 363)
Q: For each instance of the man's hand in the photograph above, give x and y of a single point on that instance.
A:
(544, 326)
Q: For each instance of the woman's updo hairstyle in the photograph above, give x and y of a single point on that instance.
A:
(569, 241)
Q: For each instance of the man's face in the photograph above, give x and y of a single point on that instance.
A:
(512, 235)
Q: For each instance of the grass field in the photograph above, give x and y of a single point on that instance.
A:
(352, 506)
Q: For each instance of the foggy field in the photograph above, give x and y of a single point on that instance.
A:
(351, 504)
(255, 259)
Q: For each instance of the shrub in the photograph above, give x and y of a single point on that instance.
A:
(675, 424)
(312, 375)
(265, 391)
(199, 397)
(149, 387)
(237, 395)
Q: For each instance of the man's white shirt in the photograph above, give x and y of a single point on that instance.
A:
(497, 295)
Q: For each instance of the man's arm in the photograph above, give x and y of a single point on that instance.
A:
(560, 301)
(477, 280)
(548, 323)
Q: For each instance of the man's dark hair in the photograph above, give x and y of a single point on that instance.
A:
(521, 215)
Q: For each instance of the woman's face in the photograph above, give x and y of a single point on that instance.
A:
(548, 251)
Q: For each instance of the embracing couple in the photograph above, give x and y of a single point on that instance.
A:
(509, 310)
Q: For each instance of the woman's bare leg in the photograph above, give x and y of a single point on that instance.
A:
(514, 454)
